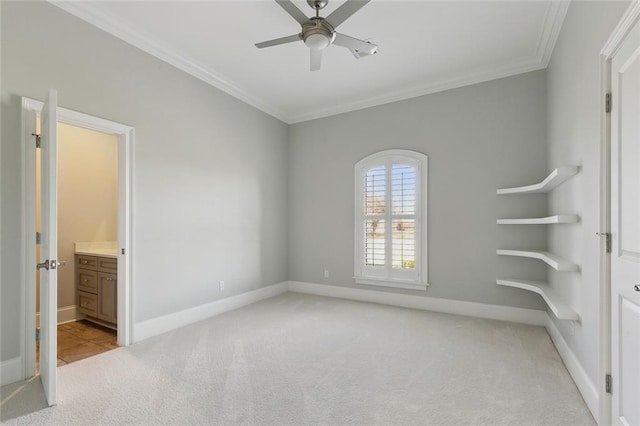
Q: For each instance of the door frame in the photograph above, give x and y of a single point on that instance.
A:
(611, 47)
(126, 138)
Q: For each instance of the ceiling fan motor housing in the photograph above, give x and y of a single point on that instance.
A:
(318, 33)
(317, 4)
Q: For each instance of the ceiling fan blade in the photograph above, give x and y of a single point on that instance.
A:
(293, 10)
(316, 59)
(277, 41)
(359, 55)
(345, 11)
(354, 44)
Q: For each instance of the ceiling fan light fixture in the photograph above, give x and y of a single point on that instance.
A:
(317, 41)
(318, 32)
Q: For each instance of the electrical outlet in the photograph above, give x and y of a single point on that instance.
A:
(326, 273)
(221, 285)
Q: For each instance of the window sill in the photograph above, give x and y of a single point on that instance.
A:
(393, 284)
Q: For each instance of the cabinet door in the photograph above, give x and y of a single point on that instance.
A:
(107, 297)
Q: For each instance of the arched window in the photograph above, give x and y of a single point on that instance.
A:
(391, 219)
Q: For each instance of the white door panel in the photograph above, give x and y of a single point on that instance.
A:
(629, 361)
(625, 225)
(629, 155)
(49, 248)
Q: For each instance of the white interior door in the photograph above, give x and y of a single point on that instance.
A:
(625, 226)
(49, 248)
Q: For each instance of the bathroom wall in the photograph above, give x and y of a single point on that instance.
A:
(87, 197)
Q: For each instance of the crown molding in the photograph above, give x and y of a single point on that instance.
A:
(435, 87)
(631, 15)
(550, 31)
(554, 18)
(110, 24)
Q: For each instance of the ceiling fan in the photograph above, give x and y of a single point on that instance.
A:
(318, 33)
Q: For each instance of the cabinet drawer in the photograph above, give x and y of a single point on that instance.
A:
(107, 264)
(86, 262)
(87, 280)
(88, 303)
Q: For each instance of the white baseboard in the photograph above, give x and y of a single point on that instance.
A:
(155, 326)
(11, 371)
(65, 314)
(69, 314)
(586, 387)
(448, 306)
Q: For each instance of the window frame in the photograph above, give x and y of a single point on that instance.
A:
(388, 158)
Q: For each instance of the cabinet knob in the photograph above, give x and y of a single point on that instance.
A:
(636, 287)
(85, 280)
(84, 262)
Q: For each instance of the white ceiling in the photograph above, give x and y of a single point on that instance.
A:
(425, 47)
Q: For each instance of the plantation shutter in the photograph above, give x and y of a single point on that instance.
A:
(375, 211)
(389, 220)
(403, 216)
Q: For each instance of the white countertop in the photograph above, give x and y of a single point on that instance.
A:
(97, 248)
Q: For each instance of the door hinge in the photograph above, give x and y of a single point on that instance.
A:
(37, 334)
(607, 103)
(607, 236)
(38, 139)
(608, 383)
(38, 238)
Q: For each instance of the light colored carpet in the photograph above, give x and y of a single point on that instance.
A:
(298, 359)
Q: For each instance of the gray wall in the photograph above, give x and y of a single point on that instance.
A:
(210, 171)
(573, 115)
(478, 138)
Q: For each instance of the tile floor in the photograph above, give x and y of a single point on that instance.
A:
(81, 339)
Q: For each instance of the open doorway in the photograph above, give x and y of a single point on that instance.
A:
(87, 224)
(108, 255)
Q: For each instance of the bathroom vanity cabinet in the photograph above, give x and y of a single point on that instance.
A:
(96, 287)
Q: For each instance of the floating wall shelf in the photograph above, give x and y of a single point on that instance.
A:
(553, 300)
(554, 179)
(556, 262)
(549, 220)
(559, 308)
